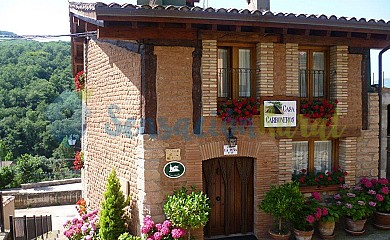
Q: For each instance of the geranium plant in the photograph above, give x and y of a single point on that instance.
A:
(310, 212)
(355, 203)
(79, 80)
(378, 190)
(165, 230)
(319, 109)
(239, 111)
(336, 177)
(84, 227)
(81, 206)
(78, 162)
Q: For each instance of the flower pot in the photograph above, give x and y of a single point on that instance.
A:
(326, 229)
(280, 236)
(382, 220)
(355, 228)
(303, 235)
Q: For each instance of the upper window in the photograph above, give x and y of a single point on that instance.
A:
(313, 77)
(314, 156)
(235, 72)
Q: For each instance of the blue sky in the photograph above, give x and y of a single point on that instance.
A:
(37, 17)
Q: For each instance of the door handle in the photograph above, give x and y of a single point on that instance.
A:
(218, 198)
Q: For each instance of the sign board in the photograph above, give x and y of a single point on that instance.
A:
(227, 150)
(174, 169)
(280, 113)
(172, 154)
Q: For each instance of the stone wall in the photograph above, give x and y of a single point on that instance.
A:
(368, 143)
(113, 102)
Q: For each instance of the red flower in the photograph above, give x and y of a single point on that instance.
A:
(321, 176)
(239, 112)
(329, 179)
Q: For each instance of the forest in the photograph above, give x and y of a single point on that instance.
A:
(39, 106)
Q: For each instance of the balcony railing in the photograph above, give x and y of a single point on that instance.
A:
(228, 76)
(313, 84)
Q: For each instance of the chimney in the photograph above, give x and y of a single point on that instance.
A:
(262, 5)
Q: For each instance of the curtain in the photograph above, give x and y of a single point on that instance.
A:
(223, 75)
(244, 72)
(302, 62)
(318, 74)
(300, 156)
(322, 156)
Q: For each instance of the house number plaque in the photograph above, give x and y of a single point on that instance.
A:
(174, 169)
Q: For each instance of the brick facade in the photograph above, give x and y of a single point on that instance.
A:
(209, 77)
(114, 79)
(112, 99)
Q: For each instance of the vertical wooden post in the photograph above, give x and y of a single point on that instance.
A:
(12, 227)
(1, 213)
(42, 229)
(35, 227)
(25, 227)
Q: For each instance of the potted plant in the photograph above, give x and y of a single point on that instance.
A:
(320, 179)
(355, 204)
(303, 220)
(164, 230)
(188, 210)
(330, 214)
(378, 189)
(283, 202)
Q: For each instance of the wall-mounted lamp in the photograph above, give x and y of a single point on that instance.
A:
(232, 140)
(72, 140)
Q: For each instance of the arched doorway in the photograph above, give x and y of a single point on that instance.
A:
(228, 182)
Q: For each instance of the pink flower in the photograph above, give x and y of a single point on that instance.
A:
(385, 190)
(318, 213)
(157, 236)
(383, 181)
(372, 204)
(361, 203)
(348, 205)
(165, 231)
(337, 196)
(372, 192)
(178, 233)
(316, 196)
(379, 197)
(368, 184)
(351, 195)
(310, 219)
(158, 226)
(324, 211)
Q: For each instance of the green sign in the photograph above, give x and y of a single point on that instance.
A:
(174, 169)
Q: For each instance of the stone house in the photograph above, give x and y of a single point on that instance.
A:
(156, 76)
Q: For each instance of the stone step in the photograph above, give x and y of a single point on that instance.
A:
(54, 235)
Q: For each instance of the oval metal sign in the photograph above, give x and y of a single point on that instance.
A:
(174, 169)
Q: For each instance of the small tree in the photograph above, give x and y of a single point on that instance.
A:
(112, 225)
(187, 210)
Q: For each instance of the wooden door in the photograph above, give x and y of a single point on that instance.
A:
(228, 183)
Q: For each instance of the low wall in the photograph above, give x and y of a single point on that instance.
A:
(42, 199)
(50, 183)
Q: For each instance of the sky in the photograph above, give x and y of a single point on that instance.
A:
(51, 17)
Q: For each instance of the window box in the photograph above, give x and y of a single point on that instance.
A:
(310, 189)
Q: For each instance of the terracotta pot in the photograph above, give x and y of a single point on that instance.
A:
(279, 236)
(354, 227)
(382, 220)
(326, 228)
(303, 235)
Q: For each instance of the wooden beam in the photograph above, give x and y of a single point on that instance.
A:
(126, 33)
(197, 89)
(328, 41)
(148, 89)
(238, 37)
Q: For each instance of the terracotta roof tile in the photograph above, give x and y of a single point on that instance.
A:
(233, 12)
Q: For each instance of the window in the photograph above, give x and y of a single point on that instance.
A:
(235, 72)
(314, 156)
(313, 77)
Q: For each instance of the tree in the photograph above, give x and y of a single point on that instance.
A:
(112, 225)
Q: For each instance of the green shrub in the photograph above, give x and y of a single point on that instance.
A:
(189, 211)
(128, 236)
(112, 225)
(7, 177)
